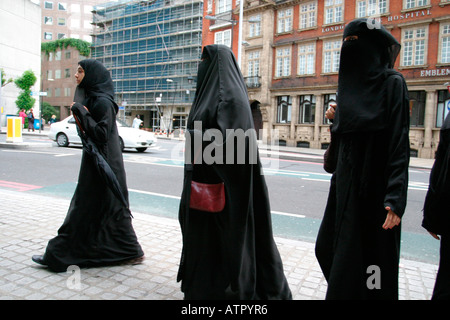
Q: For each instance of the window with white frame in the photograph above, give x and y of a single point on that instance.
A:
(308, 15)
(328, 100)
(253, 59)
(284, 106)
(331, 54)
(410, 4)
(307, 109)
(283, 62)
(334, 11)
(48, 35)
(254, 26)
(223, 6)
(48, 5)
(414, 46)
(223, 37)
(367, 8)
(48, 20)
(284, 20)
(444, 42)
(306, 58)
(62, 6)
(442, 110)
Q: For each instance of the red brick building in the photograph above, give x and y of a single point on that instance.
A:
(290, 60)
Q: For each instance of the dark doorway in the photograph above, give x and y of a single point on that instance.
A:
(257, 117)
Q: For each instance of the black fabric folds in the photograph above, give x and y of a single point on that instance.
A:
(230, 254)
(371, 128)
(97, 229)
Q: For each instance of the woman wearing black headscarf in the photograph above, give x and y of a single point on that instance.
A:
(358, 245)
(230, 254)
(97, 230)
(436, 217)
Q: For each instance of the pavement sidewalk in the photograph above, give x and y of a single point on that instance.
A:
(29, 220)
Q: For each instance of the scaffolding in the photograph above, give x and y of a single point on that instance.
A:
(152, 49)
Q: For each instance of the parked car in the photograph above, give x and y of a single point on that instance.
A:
(65, 132)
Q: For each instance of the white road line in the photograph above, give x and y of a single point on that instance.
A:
(177, 197)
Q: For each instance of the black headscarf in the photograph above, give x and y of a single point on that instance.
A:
(219, 86)
(97, 82)
(365, 64)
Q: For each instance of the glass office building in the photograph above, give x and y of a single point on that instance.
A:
(152, 49)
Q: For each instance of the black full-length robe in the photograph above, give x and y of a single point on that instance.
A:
(97, 229)
(358, 257)
(230, 254)
(436, 210)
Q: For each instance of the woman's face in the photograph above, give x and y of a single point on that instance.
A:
(79, 76)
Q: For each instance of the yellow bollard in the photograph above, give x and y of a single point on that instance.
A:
(14, 129)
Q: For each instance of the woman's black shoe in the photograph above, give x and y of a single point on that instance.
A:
(39, 259)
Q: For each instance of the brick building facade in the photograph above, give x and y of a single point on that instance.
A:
(291, 53)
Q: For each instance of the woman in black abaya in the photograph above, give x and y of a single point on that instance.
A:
(97, 230)
(436, 215)
(229, 254)
(358, 245)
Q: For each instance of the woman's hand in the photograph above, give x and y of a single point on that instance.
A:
(329, 114)
(80, 103)
(392, 219)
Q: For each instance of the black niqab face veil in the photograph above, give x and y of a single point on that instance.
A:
(365, 63)
(97, 82)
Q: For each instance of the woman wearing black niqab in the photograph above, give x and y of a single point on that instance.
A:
(97, 230)
(358, 245)
(229, 254)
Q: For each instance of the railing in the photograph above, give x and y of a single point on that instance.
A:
(253, 81)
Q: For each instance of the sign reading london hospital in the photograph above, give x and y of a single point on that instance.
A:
(397, 18)
(385, 19)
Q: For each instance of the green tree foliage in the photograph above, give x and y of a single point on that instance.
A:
(48, 110)
(4, 81)
(82, 46)
(25, 82)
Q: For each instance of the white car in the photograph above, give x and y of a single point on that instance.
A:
(65, 132)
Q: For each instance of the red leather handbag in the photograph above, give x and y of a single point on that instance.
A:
(207, 197)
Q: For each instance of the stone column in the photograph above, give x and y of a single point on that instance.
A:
(430, 106)
(315, 144)
(294, 117)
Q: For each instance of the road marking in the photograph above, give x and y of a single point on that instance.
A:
(288, 214)
(18, 186)
(154, 194)
(41, 152)
(178, 198)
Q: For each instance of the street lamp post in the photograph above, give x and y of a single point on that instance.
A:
(42, 94)
(173, 104)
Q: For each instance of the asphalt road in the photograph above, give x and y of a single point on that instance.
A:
(298, 189)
